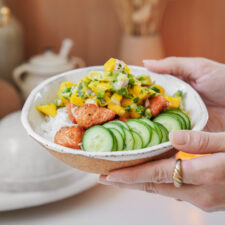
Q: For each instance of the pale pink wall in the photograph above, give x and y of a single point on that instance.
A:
(190, 28)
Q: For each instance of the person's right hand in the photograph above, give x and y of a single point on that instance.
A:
(206, 76)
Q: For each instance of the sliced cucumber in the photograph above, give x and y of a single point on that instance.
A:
(114, 141)
(129, 139)
(143, 130)
(170, 121)
(98, 139)
(119, 139)
(159, 131)
(117, 126)
(182, 121)
(156, 138)
(164, 131)
(182, 114)
(123, 124)
(138, 143)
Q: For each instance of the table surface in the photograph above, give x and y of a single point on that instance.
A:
(108, 205)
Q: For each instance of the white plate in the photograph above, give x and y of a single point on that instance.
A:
(12, 201)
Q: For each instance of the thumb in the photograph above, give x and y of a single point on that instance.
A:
(198, 142)
(178, 66)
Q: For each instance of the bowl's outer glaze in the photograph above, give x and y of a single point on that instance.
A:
(100, 162)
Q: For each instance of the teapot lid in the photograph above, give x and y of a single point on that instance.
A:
(48, 58)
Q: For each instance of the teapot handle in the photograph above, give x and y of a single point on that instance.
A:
(78, 62)
(18, 72)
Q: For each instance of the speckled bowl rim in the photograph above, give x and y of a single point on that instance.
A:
(112, 156)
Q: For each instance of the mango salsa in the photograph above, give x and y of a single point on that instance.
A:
(115, 88)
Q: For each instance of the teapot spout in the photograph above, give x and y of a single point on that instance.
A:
(66, 47)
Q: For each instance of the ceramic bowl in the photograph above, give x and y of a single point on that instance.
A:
(103, 162)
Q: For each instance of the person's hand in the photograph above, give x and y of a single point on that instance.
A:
(206, 76)
(203, 177)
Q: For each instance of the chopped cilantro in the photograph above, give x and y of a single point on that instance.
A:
(136, 100)
(102, 100)
(178, 94)
(123, 91)
(155, 89)
(128, 108)
(140, 109)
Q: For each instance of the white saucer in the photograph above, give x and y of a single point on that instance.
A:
(12, 201)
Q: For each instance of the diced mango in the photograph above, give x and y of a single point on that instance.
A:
(127, 69)
(126, 102)
(49, 109)
(116, 98)
(174, 102)
(134, 114)
(76, 100)
(86, 79)
(110, 64)
(62, 87)
(117, 109)
(95, 85)
(107, 97)
(140, 92)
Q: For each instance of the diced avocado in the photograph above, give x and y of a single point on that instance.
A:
(144, 79)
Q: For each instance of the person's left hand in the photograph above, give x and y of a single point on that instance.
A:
(203, 177)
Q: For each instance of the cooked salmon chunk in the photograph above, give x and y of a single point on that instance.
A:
(69, 137)
(70, 108)
(157, 105)
(89, 115)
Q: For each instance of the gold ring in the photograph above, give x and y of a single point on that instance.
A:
(177, 174)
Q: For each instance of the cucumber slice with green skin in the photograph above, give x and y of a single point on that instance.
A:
(98, 139)
(129, 139)
(155, 140)
(143, 129)
(123, 124)
(138, 143)
(154, 127)
(117, 126)
(170, 121)
(164, 131)
(159, 131)
(114, 141)
(182, 114)
(119, 139)
(180, 118)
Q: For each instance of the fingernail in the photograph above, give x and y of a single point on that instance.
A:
(178, 137)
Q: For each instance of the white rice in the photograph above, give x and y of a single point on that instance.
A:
(51, 125)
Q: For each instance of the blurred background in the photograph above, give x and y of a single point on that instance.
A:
(188, 28)
(40, 38)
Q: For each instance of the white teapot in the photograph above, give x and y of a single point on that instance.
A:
(41, 67)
